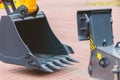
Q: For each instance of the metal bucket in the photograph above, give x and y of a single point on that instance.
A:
(30, 42)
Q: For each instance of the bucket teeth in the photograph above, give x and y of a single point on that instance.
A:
(46, 69)
(53, 66)
(57, 62)
(71, 59)
(63, 60)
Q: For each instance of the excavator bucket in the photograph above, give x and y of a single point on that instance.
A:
(30, 42)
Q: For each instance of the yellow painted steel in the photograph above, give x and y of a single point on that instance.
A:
(92, 45)
(1, 5)
(17, 3)
(99, 56)
(30, 4)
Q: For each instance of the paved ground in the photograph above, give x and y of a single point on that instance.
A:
(62, 18)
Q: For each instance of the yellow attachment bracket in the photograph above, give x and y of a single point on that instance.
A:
(30, 4)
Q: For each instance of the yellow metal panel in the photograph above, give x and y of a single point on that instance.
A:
(30, 4)
(17, 3)
(1, 5)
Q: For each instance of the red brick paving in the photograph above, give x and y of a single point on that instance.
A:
(61, 15)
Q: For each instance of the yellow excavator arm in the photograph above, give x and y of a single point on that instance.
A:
(30, 4)
(25, 7)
